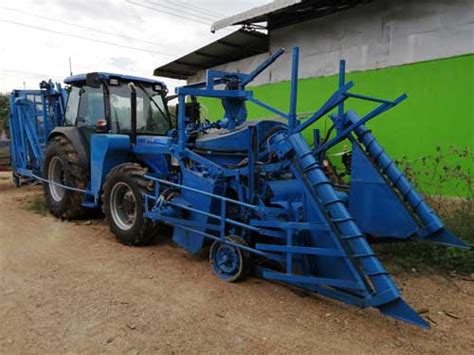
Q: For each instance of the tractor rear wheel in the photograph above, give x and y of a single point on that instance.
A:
(61, 166)
(123, 205)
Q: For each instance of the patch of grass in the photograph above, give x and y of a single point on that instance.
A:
(37, 205)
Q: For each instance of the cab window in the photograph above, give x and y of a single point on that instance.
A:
(152, 116)
(91, 106)
(72, 106)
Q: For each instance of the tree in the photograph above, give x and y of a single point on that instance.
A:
(4, 110)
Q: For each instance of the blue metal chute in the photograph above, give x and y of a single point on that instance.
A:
(430, 226)
(360, 270)
(375, 205)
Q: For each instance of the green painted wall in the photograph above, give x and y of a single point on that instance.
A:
(439, 110)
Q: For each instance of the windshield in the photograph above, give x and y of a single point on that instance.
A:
(152, 114)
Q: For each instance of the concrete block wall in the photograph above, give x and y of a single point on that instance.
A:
(376, 35)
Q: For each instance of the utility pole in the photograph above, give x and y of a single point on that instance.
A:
(70, 66)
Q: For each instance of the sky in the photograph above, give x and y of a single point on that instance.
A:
(37, 37)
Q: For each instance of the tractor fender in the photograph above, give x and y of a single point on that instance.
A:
(158, 164)
(75, 137)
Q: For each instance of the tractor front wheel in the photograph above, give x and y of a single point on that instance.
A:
(123, 204)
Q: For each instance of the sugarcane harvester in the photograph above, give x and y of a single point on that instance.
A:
(254, 193)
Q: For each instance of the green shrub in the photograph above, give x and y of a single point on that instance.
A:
(457, 213)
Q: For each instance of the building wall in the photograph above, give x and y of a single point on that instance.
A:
(376, 35)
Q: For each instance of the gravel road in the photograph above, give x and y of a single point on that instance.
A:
(70, 287)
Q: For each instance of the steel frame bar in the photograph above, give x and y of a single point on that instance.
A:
(262, 67)
(205, 193)
(268, 107)
(345, 132)
(292, 115)
(336, 99)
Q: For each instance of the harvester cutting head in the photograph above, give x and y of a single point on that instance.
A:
(262, 181)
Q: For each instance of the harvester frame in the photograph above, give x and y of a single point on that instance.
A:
(260, 194)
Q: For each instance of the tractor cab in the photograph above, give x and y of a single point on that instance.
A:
(101, 108)
(102, 103)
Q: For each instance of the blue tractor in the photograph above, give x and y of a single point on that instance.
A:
(255, 193)
(87, 151)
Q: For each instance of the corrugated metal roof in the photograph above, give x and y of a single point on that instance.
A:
(237, 45)
(282, 13)
(256, 12)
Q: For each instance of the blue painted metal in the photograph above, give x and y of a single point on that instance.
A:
(261, 181)
(235, 140)
(189, 240)
(397, 199)
(33, 115)
(342, 80)
(75, 79)
(374, 204)
(109, 150)
(260, 68)
(430, 226)
(226, 260)
(292, 115)
(288, 209)
(335, 100)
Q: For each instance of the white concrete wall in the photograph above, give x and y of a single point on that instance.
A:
(376, 35)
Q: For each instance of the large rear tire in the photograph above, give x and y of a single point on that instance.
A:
(61, 166)
(123, 205)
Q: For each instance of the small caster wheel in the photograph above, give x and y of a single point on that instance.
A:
(229, 263)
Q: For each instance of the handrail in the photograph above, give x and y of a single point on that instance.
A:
(205, 193)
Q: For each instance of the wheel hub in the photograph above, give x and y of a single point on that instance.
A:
(229, 262)
(123, 206)
(56, 176)
(227, 259)
(128, 205)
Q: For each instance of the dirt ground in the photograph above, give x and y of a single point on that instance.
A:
(70, 287)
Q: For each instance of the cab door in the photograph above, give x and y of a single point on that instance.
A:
(91, 110)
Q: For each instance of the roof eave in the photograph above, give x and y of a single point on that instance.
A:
(248, 15)
(235, 46)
